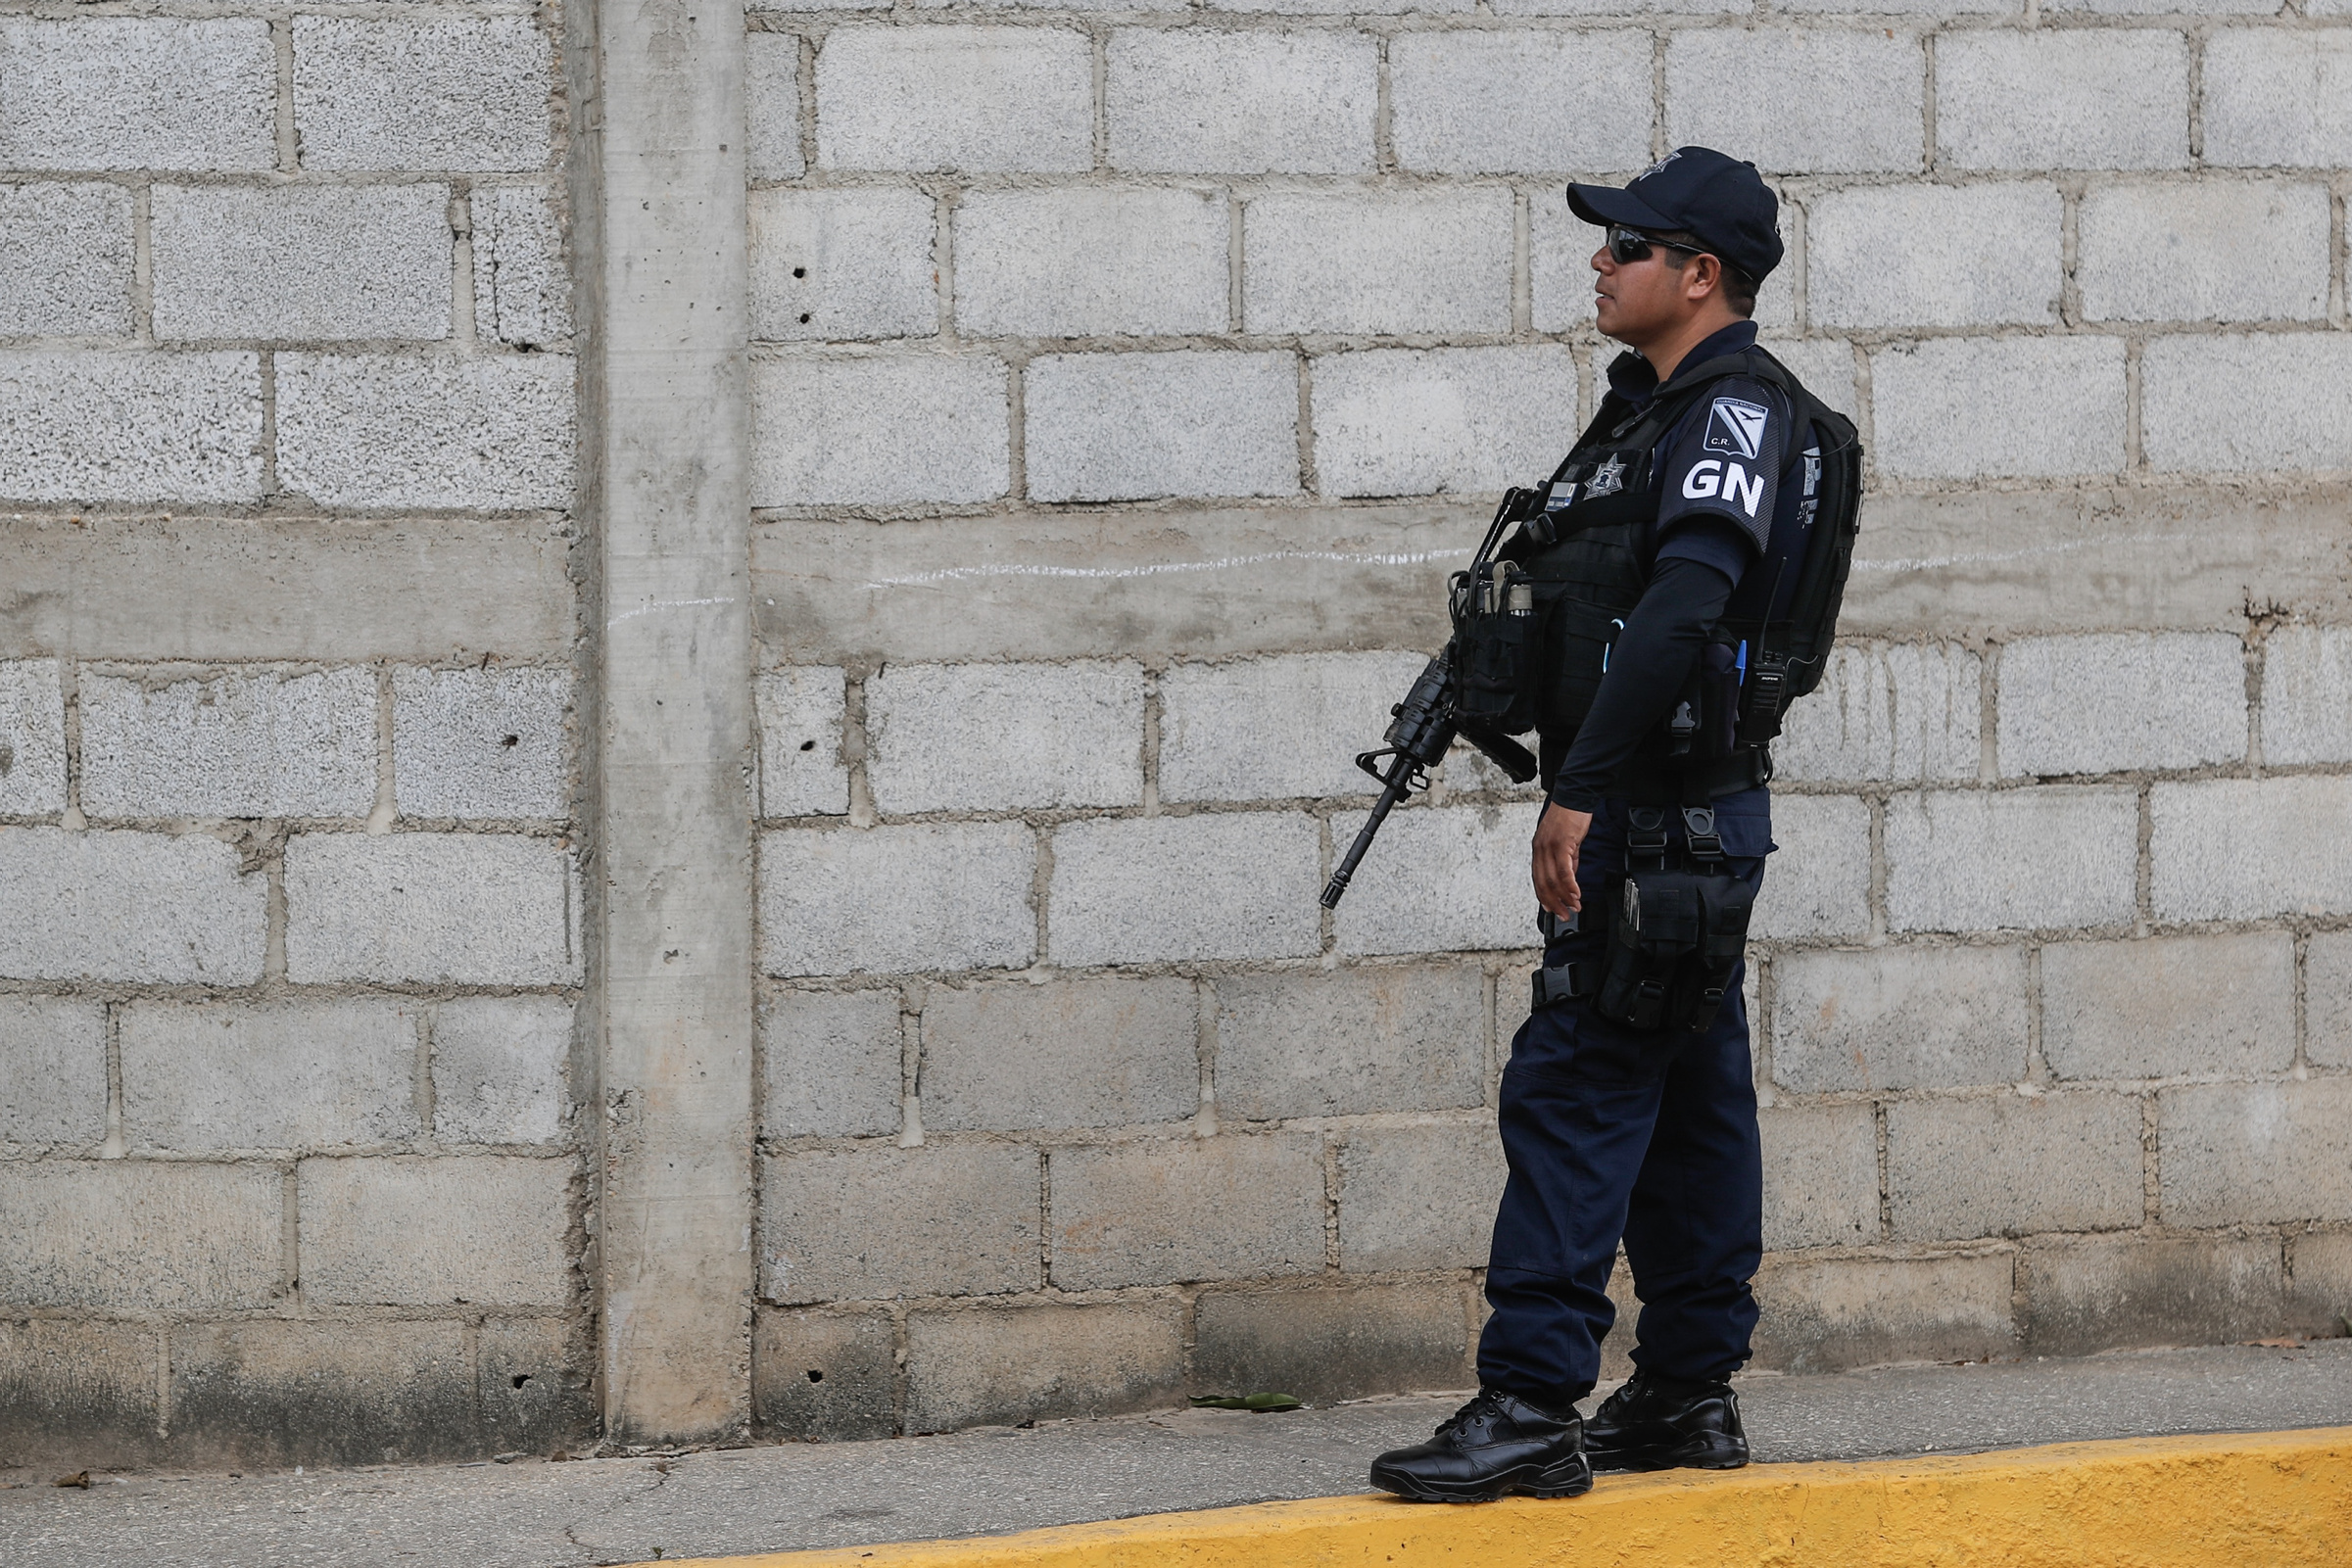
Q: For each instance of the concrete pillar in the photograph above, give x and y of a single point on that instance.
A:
(658, 187)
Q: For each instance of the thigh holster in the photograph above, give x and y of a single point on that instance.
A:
(1675, 934)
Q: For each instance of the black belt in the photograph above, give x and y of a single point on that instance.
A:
(1649, 782)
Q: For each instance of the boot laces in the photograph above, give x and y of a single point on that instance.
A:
(1485, 1400)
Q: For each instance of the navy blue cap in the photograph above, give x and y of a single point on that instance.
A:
(1723, 202)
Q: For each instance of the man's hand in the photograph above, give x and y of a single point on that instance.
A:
(1558, 837)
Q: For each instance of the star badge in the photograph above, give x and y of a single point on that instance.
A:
(1606, 480)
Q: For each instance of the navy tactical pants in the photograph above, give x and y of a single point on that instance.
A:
(1616, 1134)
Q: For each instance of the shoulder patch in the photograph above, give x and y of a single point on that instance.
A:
(1736, 426)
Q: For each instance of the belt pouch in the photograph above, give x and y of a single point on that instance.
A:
(1654, 930)
(1725, 904)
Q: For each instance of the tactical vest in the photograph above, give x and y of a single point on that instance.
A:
(1536, 614)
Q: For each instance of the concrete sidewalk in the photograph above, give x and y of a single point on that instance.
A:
(537, 1514)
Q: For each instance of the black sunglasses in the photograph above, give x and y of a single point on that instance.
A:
(1627, 245)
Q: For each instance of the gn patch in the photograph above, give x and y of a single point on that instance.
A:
(1736, 427)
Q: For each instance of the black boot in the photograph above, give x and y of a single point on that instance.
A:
(1496, 1443)
(1659, 1423)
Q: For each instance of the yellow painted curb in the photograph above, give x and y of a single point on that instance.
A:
(2273, 1499)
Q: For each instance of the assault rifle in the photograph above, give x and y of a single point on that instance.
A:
(1422, 729)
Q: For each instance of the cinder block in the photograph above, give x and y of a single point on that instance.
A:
(2277, 99)
(1195, 101)
(2319, 1283)
(1594, 88)
(969, 99)
(1978, 860)
(2006, 99)
(500, 1068)
(325, 1393)
(1937, 255)
(199, 1077)
(990, 737)
(1824, 365)
(52, 1071)
(140, 1235)
(1419, 1196)
(1901, 711)
(2250, 1154)
(2170, 1006)
(533, 1384)
(402, 1232)
(824, 1376)
(801, 709)
(1898, 1017)
(1169, 1210)
(1088, 1053)
(1416, 421)
(1415, 261)
(523, 291)
(2271, 421)
(1820, 1175)
(878, 430)
(129, 905)
(1809, 100)
(1091, 262)
(1214, 718)
(851, 262)
(79, 424)
(887, 900)
(2305, 672)
(1326, 1345)
(1827, 1315)
(1229, 884)
(65, 257)
(79, 1393)
(2328, 999)
(2121, 701)
(2250, 848)
(1817, 883)
(831, 1064)
(32, 739)
(1998, 408)
(1003, 1364)
(486, 433)
(2065, 1162)
(1450, 879)
(463, 908)
(1351, 1041)
(2231, 250)
(868, 1223)
(1137, 426)
(482, 742)
(138, 93)
(333, 262)
(448, 93)
(772, 106)
(257, 745)
(2086, 1293)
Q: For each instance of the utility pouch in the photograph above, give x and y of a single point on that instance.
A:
(1654, 936)
(1494, 623)
(1676, 937)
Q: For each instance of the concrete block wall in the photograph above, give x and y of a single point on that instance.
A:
(290, 766)
(448, 666)
(1123, 383)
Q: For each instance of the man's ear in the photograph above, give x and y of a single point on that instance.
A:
(1701, 275)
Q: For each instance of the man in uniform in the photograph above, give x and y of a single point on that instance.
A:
(1614, 1133)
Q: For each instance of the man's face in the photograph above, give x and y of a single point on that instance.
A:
(1635, 302)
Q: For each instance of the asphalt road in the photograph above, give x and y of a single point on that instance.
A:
(540, 1515)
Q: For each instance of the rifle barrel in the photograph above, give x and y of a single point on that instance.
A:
(1398, 782)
